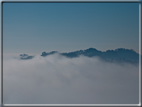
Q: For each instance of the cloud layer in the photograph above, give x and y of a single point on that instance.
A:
(59, 80)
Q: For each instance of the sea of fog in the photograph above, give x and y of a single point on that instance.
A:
(59, 80)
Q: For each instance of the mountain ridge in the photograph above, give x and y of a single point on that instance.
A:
(117, 55)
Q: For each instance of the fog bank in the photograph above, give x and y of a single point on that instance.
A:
(59, 80)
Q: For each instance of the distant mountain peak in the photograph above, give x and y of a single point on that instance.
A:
(124, 49)
(48, 53)
(117, 55)
(25, 56)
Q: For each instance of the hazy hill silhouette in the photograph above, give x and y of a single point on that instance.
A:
(117, 55)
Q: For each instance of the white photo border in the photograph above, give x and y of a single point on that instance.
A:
(72, 1)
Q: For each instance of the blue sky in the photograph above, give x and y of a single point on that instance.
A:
(38, 27)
